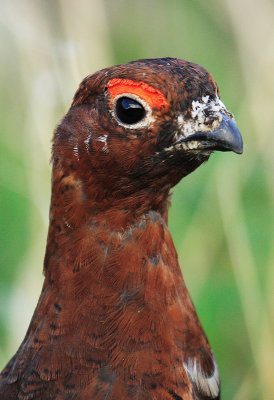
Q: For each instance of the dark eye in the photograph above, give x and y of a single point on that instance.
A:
(129, 111)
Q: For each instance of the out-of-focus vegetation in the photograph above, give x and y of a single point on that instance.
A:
(220, 216)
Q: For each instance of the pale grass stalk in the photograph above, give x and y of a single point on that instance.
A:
(196, 265)
(244, 392)
(245, 273)
(52, 62)
(252, 22)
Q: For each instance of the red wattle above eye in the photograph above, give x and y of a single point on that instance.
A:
(152, 96)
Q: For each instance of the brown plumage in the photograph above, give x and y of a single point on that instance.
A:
(114, 320)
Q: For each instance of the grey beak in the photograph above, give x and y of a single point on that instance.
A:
(225, 138)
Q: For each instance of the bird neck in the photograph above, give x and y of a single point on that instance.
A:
(116, 298)
(120, 250)
(129, 275)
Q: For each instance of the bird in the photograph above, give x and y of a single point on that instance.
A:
(114, 319)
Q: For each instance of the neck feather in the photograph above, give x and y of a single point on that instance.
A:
(114, 294)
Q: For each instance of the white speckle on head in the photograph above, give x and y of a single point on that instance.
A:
(87, 142)
(206, 385)
(221, 104)
(205, 99)
(67, 224)
(180, 120)
(103, 139)
(76, 152)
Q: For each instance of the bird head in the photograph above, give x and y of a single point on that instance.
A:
(141, 127)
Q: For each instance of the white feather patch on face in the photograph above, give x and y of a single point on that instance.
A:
(205, 116)
(207, 385)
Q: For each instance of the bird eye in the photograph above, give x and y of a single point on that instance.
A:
(129, 111)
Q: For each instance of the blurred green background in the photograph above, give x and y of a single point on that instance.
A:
(220, 216)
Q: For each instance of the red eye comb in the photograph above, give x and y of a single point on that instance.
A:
(152, 96)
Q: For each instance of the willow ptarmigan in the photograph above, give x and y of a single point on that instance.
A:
(114, 320)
